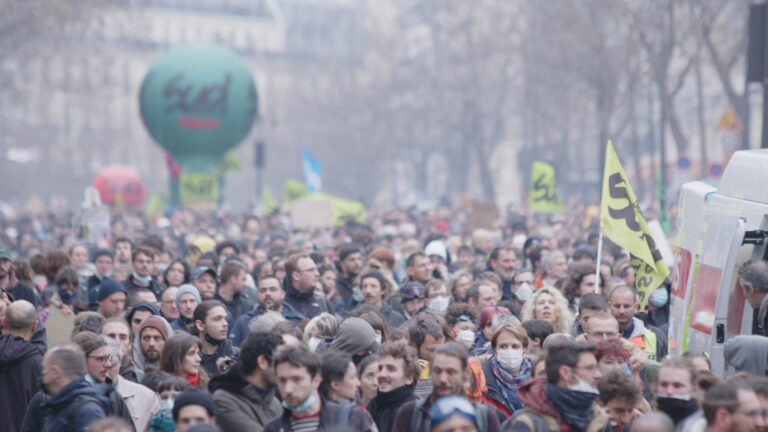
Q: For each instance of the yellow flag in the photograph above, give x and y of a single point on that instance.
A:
(625, 225)
(542, 195)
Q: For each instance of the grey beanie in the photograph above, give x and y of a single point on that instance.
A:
(187, 289)
(354, 335)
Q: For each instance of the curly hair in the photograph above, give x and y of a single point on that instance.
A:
(563, 319)
(401, 350)
(458, 309)
(619, 384)
(576, 275)
(255, 345)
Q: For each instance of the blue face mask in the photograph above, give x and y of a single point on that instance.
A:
(143, 279)
(166, 407)
(302, 406)
(660, 297)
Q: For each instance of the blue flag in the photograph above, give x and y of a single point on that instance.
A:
(313, 171)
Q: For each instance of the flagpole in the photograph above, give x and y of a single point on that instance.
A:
(599, 257)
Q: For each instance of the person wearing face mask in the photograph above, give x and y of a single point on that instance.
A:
(565, 400)
(508, 369)
(142, 262)
(212, 327)
(438, 297)
(675, 384)
(463, 321)
(298, 378)
(167, 390)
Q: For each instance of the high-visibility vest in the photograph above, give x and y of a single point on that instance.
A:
(647, 343)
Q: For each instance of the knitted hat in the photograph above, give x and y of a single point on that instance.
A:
(193, 397)
(143, 305)
(156, 323)
(110, 286)
(354, 335)
(100, 253)
(187, 289)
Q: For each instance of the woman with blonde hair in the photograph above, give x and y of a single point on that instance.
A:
(550, 305)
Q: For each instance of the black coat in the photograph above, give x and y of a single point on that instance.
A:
(20, 368)
(52, 414)
(225, 349)
(310, 304)
(384, 406)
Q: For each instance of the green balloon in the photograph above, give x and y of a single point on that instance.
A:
(198, 102)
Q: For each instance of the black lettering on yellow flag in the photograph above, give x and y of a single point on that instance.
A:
(542, 194)
(625, 225)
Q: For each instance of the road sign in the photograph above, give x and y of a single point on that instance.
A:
(729, 122)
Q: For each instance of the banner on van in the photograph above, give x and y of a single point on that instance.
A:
(543, 195)
(624, 224)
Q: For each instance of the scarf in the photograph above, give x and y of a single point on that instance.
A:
(192, 379)
(478, 387)
(509, 383)
(573, 407)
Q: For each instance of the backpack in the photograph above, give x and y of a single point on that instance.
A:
(539, 424)
(481, 417)
(117, 407)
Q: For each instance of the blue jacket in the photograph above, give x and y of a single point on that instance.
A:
(240, 330)
(56, 409)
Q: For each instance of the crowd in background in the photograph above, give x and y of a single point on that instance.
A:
(416, 320)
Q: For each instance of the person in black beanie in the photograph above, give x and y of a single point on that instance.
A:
(192, 407)
(111, 297)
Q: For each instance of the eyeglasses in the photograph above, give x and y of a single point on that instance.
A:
(447, 406)
(310, 270)
(529, 282)
(753, 413)
(102, 359)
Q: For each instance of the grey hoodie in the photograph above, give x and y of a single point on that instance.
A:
(748, 353)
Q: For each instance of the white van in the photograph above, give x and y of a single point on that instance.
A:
(718, 230)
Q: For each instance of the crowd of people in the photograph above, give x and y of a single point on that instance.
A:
(415, 321)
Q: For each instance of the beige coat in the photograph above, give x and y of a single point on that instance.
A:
(141, 402)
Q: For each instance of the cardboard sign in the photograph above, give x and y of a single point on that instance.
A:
(92, 225)
(59, 325)
(483, 214)
(311, 213)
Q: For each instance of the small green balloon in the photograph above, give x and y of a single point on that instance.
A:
(198, 102)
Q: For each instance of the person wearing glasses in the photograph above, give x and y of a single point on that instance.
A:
(98, 363)
(301, 276)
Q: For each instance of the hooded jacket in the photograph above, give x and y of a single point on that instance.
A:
(54, 414)
(354, 335)
(310, 304)
(240, 407)
(20, 368)
(747, 353)
(240, 330)
(140, 362)
(224, 349)
(539, 408)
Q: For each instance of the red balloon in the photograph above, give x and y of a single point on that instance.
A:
(120, 180)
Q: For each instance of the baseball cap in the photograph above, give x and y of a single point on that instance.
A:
(198, 271)
(5, 253)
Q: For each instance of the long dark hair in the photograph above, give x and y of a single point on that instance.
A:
(201, 313)
(183, 265)
(175, 350)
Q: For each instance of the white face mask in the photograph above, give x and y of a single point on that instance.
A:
(583, 386)
(313, 343)
(524, 292)
(466, 338)
(510, 359)
(378, 339)
(439, 305)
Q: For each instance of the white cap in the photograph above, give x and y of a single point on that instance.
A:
(436, 247)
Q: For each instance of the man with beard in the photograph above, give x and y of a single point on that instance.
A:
(625, 303)
(503, 261)
(565, 399)
(63, 371)
(351, 263)
(297, 373)
(449, 371)
(398, 373)
(245, 396)
(270, 298)
(301, 277)
(187, 299)
(212, 328)
(148, 343)
(9, 282)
